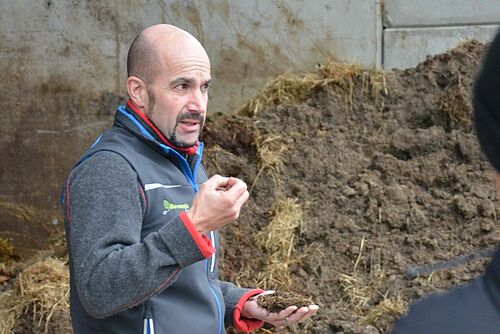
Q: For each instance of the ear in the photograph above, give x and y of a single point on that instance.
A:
(137, 92)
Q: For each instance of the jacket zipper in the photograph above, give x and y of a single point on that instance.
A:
(149, 327)
(210, 270)
(212, 263)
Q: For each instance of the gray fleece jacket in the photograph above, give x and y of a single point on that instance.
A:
(137, 265)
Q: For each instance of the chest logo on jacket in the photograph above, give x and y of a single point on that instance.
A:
(171, 206)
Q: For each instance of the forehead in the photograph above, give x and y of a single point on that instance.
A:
(185, 59)
(187, 67)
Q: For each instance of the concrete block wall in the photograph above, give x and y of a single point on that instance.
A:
(415, 29)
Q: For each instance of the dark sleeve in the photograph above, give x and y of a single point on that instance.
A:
(113, 268)
(486, 104)
(473, 308)
(234, 299)
(462, 311)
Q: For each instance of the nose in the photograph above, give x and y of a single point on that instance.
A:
(198, 101)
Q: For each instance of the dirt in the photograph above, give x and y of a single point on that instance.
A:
(387, 182)
(6, 250)
(280, 300)
(386, 175)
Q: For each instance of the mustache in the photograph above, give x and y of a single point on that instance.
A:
(192, 115)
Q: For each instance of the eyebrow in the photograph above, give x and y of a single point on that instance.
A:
(182, 80)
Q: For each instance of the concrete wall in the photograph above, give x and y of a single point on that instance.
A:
(406, 47)
(63, 66)
(250, 41)
(60, 78)
(431, 13)
(415, 29)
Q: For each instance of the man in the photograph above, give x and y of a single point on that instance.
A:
(474, 308)
(141, 216)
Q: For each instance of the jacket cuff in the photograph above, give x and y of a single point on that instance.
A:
(245, 324)
(202, 241)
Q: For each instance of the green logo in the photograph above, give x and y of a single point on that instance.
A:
(171, 206)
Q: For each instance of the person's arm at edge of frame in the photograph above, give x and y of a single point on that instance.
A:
(486, 102)
(114, 270)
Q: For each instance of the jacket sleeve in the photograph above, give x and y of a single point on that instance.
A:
(486, 103)
(112, 268)
(234, 299)
(463, 310)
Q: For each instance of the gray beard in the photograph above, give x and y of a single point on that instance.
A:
(173, 139)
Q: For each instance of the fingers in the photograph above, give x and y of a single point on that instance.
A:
(235, 191)
(282, 318)
(309, 312)
(296, 315)
(217, 203)
(240, 201)
(235, 187)
(232, 181)
(287, 312)
(216, 182)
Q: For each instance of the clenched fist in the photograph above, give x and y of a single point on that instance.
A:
(217, 203)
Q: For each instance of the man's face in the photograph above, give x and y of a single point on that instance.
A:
(178, 96)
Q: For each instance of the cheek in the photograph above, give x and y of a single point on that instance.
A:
(169, 108)
(175, 105)
(163, 117)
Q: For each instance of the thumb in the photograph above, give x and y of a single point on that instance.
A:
(217, 181)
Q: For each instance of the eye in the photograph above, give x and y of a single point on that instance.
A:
(205, 87)
(183, 86)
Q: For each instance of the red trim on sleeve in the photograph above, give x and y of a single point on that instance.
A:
(143, 195)
(246, 324)
(188, 150)
(202, 241)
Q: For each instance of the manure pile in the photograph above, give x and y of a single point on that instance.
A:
(356, 176)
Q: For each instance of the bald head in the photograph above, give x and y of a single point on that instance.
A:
(156, 44)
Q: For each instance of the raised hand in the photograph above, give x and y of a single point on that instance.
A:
(217, 203)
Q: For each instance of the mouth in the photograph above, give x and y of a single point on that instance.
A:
(189, 122)
(190, 125)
